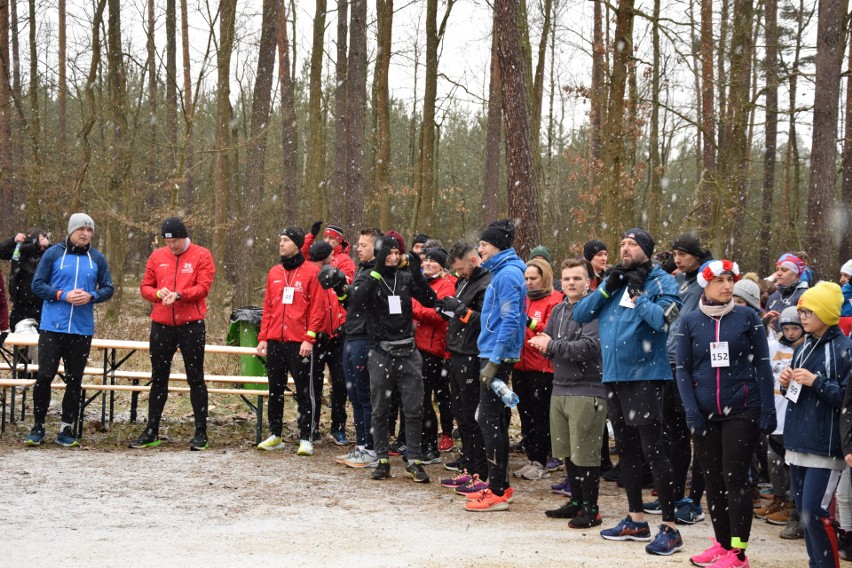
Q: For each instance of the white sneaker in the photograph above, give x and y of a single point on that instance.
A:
(535, 471)
(362, 459)
(520, 472)
(271, 443)
(306, 448)
(342, 458)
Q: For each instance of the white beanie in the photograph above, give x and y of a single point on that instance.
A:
(79, 220)
(847, 268)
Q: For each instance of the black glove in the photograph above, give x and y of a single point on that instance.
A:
(451, 304)
(315, 228)
(331, 277)
(615, 280)
(413, 262)
(634, 283)
(488, 372)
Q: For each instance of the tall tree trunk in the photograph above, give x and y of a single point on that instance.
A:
(290, 213)
(821, 187)
(598, 97)
(316, 136)
(186, 157)
(356, 111)
(7, 192)
(722, 75)
(846, 243)
(171, 86)
(769, 156)
(655, 188)
(221, 165)
(493, 136)
(614, 133)
(338, 205)
(520, 165)
(62, 84)
(384, 11)
(153, 153)
(35, 111)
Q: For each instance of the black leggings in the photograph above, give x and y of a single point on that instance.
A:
(73, 350)
(677, 438)
(332, 355)
(534, 390)
(433, 382)
(464, 375)
(725, 452)
(165, 340)
(283, 358)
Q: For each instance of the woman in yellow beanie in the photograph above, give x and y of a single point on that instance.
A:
(815, 385)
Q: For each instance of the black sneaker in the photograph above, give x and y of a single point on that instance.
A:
(588, 517)
(614, 474)
(148, 439)
(382, 470)
(199, 442)
(456, 465)
(431, 457)
(567, 511)
(397, 448)
(415, 471)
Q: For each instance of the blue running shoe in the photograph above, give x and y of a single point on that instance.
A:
(338, 438)
(626, 529)
(652, 508)
(36, 436)
(66, 438)
(688, 512)
(667, 541)
(561, 488)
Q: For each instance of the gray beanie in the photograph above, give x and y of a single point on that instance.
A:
(79, 220)
(790, 316)
(749, 292)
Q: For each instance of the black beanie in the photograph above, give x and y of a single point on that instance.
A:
(593, 247)
(173, 228)
(690, 244)
(500, 233)
(643, 238)
(320, 250)
(420, 239)
(437, 254)
(295, 234)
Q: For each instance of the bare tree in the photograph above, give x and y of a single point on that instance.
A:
(520, 165)
(341, 124)
(290, 212)
(316, 133)
(769, 156)
(384, 12)
(493, 136)
(846, 243)
(6, 187)
(356, 110)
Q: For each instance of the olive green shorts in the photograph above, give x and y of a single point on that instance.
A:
(576, 428)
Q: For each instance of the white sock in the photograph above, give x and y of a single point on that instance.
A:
(64, 425)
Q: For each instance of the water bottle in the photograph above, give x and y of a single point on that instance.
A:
(506, 394)
(16, 256)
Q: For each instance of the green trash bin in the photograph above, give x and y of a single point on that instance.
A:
(242, 332)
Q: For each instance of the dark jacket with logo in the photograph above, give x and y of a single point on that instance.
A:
(463, 329)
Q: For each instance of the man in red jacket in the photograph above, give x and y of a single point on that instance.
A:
(177, 281)
(293, 315)
(333, 235)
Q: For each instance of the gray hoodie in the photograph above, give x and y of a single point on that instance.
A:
(576, 352)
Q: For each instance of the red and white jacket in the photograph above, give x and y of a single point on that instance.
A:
(189, 273)
(342, 260)
(304, 317)
(539, 310)
(430, 329)
(335, 314)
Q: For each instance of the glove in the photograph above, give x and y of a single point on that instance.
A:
(488, 372)
(413, 262)
(768, 422)
(635, 281)
(450, 304)
(315, 228)
(331, 277)
(615, 280)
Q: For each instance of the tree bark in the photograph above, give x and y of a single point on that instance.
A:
(520, 165)
(171, 85)
(61, 85)
(598, 97)
(35, 111)
(290, 212)
(846, 242)
(221, 165)
(771, 130)
(7, 193)
(316, 136)
(493, 137)
(821, 187)
(655, 171)
(153, 152)
(384, 11)
(338, 204)
(356, 111)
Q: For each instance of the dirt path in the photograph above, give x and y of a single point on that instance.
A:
(116, 507)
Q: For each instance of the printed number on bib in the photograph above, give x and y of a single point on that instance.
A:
(289, 293)
(719, 354)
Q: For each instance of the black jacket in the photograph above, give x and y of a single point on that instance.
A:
(371, 296)
(463, 329)
(356, 318)
(576, 352)
(21, 278)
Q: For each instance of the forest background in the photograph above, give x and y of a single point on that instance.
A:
(575, 118)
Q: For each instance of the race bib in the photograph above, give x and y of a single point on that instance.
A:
(719, 356)
(394, 305)
(626, 302)
(794, 389)
(289, 293)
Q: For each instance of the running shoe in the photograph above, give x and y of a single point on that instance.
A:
(731, 560)
(397, 448)
(431, 457)
(36, 436)
(148, 439)
(456, 465)
(361, 459)
(709, 556)
(199, 442)
(652, 507)
(554, 464)
(338, 438)
(588, 517)
(626, 529)
(456, 481)
(488, 501)
(271, 443)
(475, 485)
(66, 438)
(446, 443)
(534, 472)
(561, 488)
(567, 511)
(415, 471)
(306, 448)
(382, 470)
(688, 512)
(667, 542)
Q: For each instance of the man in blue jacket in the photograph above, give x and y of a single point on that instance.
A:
(71, 277)
(634, 306)
(502, 320)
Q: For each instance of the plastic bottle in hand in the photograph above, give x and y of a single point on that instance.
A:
(506, 394)
(16, 255)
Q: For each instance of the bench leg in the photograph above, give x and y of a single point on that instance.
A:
(3, 411)
(259, 430)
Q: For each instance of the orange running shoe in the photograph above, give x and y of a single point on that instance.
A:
(488, 501)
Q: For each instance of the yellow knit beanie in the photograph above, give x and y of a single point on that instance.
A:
(824, 300)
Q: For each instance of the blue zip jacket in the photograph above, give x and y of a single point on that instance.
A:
(812, 423)
(846, 310)
(709, 392)
(633, 340)
(503, 317)
(63, 269)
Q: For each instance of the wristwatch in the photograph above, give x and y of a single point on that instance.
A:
(177, 296)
